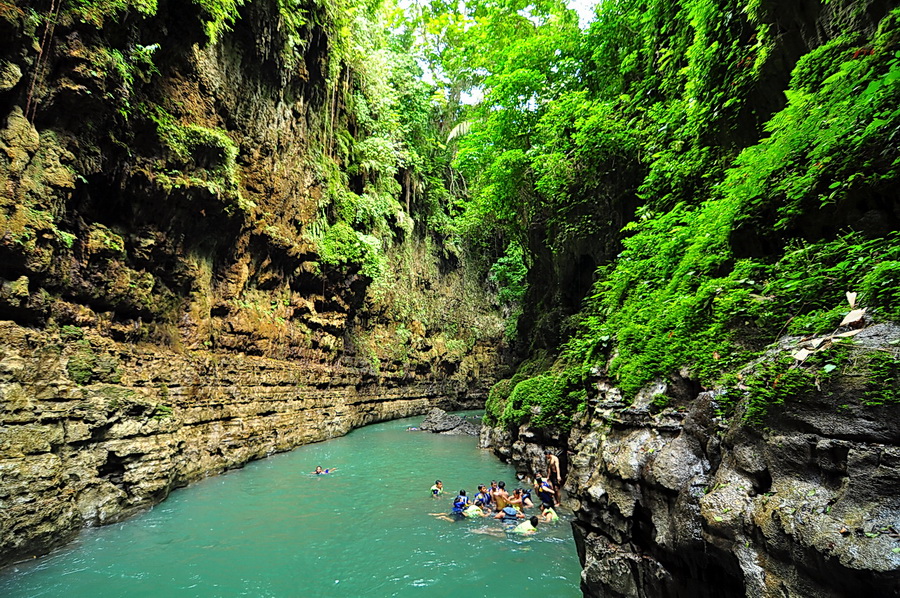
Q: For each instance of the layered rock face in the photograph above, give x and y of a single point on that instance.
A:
(683, 502)
(155, 420)
(165, 311)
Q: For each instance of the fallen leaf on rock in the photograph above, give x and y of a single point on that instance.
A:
(801, 354)
(848, 333)
(855, 317)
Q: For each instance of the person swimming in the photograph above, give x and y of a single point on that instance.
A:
(475, 510)
(458, 510)
(527, 527)
(484, 496)
(320, 471)
(459, 505)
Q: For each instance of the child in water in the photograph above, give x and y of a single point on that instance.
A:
(526, 528)
(548, 515)
(437, 489)
(320, 471)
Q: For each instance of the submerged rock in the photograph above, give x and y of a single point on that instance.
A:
(441, 422)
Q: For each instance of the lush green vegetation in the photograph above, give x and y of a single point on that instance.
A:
(669, 189)
(725, 208)
(383, 211)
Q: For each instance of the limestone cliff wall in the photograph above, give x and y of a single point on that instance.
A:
(165, 313)
(685, 502)
(90, 454)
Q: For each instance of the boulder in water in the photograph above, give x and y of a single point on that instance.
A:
(441, 422)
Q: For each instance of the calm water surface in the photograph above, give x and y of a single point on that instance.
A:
(274, 529)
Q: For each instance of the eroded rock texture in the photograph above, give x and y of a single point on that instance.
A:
(684, 502)
(165, 310)
(441, 422)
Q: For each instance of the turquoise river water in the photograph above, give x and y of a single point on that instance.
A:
(275, 529)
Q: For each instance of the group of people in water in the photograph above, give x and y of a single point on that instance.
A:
(496, 501)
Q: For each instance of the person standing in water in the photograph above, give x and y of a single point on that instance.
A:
(437, 489)
(544, 489)
(484, 496)
(553, 474)
(517, 499)
(500, 496)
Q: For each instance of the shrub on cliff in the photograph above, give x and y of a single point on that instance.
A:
(343, 247)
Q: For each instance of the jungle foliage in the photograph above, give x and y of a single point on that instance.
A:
(724, 174)
(741, 200)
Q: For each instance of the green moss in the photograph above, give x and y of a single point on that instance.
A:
(19, 288)
(659, 402)
(781, 378)
(106, 369)
(84, 365)
(67, 239)
(344, 247)
(881, 289)
(161, 411)
(81, 363)
(71, 333)
(117, 397)
(103, 240)
(548, 398)
(198, 157)
(498, 396)
(883, 383)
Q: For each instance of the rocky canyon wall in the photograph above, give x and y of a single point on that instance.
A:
(154, 420)
(165, 310)
(684, 501)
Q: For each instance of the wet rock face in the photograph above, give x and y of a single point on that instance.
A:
(682, 504)
(441, 422)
